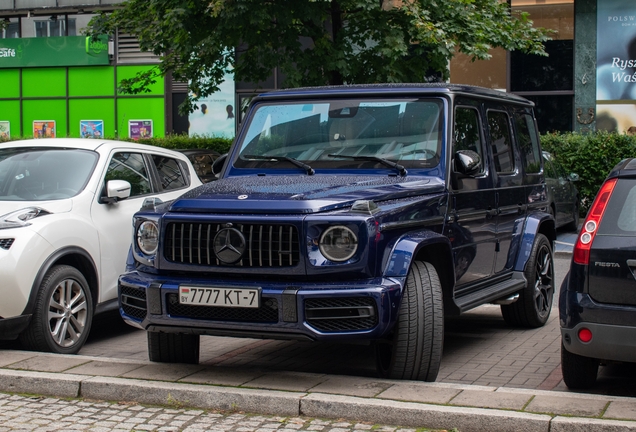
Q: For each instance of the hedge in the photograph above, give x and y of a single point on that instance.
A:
(591, 156)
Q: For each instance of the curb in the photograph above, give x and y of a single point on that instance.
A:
(288, 403)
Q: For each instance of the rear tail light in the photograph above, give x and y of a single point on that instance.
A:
(585, 335)
(583, 245)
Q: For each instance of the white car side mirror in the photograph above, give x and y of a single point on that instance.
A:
(117, 190)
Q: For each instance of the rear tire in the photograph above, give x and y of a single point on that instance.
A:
(415, 349)
(578, 372)
(63, 313)
(173, 347)
(533, 308)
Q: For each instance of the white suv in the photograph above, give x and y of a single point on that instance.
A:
(66, 228)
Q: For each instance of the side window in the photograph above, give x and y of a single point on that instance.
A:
(550, 171)
(528, 143)
(170, 173)
(130, 167)
(501, 143)
(467, 134)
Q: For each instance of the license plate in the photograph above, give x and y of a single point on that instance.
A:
(222, 297)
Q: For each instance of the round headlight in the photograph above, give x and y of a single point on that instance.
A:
(148, 237)
(338, 243)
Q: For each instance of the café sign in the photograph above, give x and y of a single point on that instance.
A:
(54, 51)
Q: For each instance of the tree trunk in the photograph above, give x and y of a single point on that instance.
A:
(335, 77)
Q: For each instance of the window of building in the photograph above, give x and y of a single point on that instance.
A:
(11, 29)
(548, 81)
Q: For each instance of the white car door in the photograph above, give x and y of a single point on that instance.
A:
(113, 221)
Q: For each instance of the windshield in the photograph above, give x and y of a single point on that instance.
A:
(344, 134)
(37, 174)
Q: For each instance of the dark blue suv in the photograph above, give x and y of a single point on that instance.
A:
(352, 213)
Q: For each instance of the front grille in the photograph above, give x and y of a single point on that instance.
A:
(6, 243)
(270, 245)
(133, 302)
(341, 314)
(267, 313)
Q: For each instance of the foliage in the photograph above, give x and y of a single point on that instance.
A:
(591, 156)
(315, 42)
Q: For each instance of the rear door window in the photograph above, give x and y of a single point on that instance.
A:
(170, 173)
(620, 213)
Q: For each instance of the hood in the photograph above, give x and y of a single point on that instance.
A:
(300, 194)
(56, 206)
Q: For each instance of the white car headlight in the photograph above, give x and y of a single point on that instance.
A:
(148, 237)
(21, 218)
(338, 243)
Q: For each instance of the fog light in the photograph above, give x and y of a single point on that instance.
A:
(585, 335)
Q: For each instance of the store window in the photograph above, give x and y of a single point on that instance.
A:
(547, 81)
(54, 25)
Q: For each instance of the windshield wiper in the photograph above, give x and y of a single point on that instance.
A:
(310, 170)
(401, 170)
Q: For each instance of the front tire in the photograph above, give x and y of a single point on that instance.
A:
(415, 350)
(63, 313)
(173, 347)
(579, 372)
(533, 308)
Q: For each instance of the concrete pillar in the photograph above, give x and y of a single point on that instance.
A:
(584, 65)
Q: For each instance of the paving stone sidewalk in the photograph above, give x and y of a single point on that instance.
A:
(292, 394)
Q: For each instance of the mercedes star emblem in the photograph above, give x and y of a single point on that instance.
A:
(229, 245)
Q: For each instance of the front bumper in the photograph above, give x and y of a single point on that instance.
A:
(613, 327)
(353, 310)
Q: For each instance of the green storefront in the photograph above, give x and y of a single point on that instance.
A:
(67, 81)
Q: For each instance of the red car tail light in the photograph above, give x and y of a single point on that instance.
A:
(585, 335)
(583, 245)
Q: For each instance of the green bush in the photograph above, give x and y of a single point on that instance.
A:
(591, 156)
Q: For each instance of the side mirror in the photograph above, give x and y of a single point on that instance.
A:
(217, 165)
(467, 162)
(116, 190)
(573, 177)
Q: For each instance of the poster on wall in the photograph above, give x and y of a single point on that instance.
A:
(44, 129)
(139, 129)
(91, 128)
(5, 130)
(616, 66)
(215, 115)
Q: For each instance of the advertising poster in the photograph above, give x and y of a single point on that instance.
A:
(5, 130)
(44, 129)
(216, 113)
(616, 66)
(139, 129)
(91, 128)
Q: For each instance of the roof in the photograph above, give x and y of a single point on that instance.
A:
(86, 144)
(393, 89)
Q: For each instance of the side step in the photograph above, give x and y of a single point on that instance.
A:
(491, 293)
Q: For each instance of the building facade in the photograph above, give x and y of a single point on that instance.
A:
(51, 77)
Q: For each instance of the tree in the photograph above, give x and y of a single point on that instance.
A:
(315, 42)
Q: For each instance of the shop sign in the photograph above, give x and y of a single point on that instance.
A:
(91, 128)
(53, 51)
(44, 129)
(5, 130)
(616, 65)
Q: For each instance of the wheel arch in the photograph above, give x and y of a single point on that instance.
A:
(426, 246)
(72, 256)
(536, 223)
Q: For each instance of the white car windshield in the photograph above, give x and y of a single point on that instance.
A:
(344, 134)
(42, 174)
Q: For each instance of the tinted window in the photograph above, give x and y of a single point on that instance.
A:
(531, 72)
(170, 172)
(130, 167)
(620, 213)
(528, 142)
(498, 126)
(467, 135)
